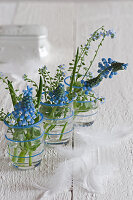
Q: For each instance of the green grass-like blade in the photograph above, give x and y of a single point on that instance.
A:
(74, 70)
(48, 130)
(12, 93)
(22, 155)
(39, 93)
(63, 131)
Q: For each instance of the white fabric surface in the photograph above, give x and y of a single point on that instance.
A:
(68, 25)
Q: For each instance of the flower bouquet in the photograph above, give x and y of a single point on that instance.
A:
(82, 82)
(56, 106)
(24, 127)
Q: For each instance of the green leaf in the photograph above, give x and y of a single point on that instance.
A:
(22, 155)
(74, 70)
(12, 93)
(39, 93)
(79, 75)
(70, 67)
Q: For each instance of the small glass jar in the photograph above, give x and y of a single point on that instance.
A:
(21, 46)
(58, 122)
(85, 111)
(25, 144)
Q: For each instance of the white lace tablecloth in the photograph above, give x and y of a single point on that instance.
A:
(69, 24)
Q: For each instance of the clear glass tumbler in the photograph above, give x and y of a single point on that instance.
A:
(58, 122)
(25, 145)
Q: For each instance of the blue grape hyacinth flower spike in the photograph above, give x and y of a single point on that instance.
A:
(59, 95)
(24, 112)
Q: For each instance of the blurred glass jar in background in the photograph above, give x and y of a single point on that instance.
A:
(22, 48)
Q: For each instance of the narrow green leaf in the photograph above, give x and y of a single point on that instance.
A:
(39, 93)
(74, 70)
(12, 93)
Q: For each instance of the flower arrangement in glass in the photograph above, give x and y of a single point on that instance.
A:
(85, 109)
(56, 107)
(83, 83)
(24, 128)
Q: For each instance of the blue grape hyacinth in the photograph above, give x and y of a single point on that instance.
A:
(108, 68)
(24, 113)
(59, 95)
(86, 87)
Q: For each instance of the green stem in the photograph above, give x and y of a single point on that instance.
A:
(14, 159)
(45, 126)
(83, 51)
(88, 43)
(39, 93)
(30, 158)
(49, 129)
(29, 136)
(45, 94)
(91, 62)
(54, 109)
(63, 131)
(74, 70)
(31, 81)
(12, 93)
(22, 156)
(49, 78)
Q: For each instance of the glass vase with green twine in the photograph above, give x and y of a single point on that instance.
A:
(58, 116)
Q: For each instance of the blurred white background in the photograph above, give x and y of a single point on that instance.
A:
(69, 22)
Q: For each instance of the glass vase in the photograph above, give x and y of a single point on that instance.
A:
(25, 145)
(85, 109)
(58, 122)
(22, 45)
(85, 112)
